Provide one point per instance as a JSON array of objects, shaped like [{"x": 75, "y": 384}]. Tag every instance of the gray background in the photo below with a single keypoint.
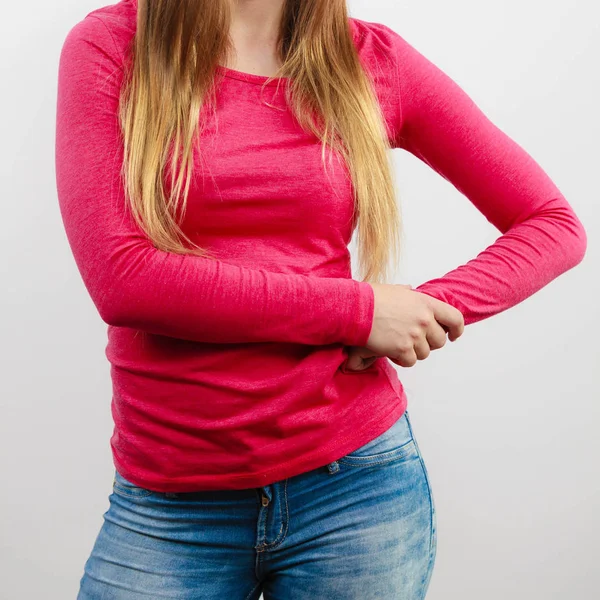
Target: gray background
[{"x": 507, "y": 418}]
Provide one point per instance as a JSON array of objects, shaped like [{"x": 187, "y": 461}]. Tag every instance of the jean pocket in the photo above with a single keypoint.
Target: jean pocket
[
  {"x": 124, "y": 487},
  {"x": 395, "y": 443}
]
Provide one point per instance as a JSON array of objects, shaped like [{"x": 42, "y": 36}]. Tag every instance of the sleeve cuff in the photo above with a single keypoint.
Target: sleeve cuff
[{"x": 361, "y": 315}]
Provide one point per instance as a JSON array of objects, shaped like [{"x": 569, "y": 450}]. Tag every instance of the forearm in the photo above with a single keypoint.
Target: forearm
[{"x": 518, "y": 264}]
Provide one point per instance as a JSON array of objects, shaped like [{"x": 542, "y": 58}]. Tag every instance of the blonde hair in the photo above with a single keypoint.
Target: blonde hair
[{"x": 166, "y": 86}]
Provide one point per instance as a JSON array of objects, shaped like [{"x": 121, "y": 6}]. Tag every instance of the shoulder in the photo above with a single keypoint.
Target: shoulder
[
  {"x": 379, "y": 43},
  {"x": 375, "y": 40},
  {"x": 106, "y": 32}
]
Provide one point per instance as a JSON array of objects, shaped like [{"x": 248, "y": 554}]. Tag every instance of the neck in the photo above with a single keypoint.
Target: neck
[{"x": 256, "y": 21}]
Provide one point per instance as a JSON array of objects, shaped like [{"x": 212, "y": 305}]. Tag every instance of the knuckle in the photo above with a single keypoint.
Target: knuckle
[
  {"x": 404, "y": 347},
  {"x": 425, "y": 319},
  {"x": 415, "y": 333}
]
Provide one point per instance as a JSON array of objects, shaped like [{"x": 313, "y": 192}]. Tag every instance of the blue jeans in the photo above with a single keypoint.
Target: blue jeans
[{"x": 362, "y": 527}]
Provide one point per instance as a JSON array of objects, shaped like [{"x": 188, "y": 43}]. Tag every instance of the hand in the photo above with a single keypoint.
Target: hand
[{"x": 407, "y": 325}]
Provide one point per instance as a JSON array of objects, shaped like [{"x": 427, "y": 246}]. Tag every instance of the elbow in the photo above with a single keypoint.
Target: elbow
[
  {"x": 122, "y": 292},
  {"x": 111, "y": 313},
  {"x": 115, "y": 308},
  {"x": 113, "y": 318},
  {"x": 578, "y": 246},
  {"x": 568, "y": 233}
]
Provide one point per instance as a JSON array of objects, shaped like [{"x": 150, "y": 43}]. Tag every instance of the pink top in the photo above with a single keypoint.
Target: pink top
[{"x": 228, "y": 373}]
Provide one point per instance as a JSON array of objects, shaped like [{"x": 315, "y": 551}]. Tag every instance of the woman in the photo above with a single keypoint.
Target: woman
[{"x": 213, "y": 160}]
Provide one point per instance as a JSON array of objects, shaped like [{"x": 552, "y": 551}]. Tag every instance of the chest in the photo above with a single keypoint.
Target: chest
[
  {"x": 257, "y": 173},
  {"x": 261, "y": 193}
]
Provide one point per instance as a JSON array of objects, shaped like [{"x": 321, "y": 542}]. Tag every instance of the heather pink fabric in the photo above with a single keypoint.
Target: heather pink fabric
[{"x": 228, "y": 373}]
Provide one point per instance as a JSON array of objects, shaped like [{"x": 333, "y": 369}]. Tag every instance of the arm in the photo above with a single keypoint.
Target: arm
[
  {"x": 542, "y": 237},
  {"x": 132, "y": 283}
]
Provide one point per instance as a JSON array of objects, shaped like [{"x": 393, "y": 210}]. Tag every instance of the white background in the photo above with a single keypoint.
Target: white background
[{"x": 507, "y": 418}]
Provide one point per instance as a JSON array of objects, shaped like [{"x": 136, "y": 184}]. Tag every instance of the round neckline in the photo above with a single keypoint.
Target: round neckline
[{"x": 251, "y": 77}]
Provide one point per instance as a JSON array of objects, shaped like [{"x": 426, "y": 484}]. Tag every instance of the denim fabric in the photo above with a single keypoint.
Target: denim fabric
[{"x": 362, "y": 527}]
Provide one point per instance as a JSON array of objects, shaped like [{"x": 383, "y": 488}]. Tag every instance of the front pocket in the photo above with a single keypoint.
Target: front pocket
[
  {"x": 393, "y": 444},
  {"x": 126, "y": 488}
]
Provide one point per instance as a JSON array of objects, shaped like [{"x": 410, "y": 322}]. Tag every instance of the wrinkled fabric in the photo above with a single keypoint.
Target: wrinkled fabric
[
  {"x": 229, "y": 373},
  {"x": 360, "y": 528}
]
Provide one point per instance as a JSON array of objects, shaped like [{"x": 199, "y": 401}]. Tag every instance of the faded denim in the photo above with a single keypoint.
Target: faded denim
[{"x": 362, "y": 527}]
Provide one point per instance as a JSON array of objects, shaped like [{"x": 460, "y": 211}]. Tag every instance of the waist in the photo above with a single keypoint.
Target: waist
[{"x": 213, "y": 411}]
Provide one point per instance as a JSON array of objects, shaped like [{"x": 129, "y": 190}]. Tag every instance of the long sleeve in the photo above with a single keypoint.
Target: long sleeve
[
  {"x": 541, "y": 235},
  {"x": 132, "y": 283}
]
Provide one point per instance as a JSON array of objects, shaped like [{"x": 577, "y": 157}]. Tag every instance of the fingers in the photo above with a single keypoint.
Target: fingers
[
  {"x": 455, "y": 333},
  {"x": 450, "y": 318},
  {"x": 421, "y": 348},
  {"x": 436, "y": 336},
  {"x": 406, "y": 359},
  {"x": 439, "y": 322},
  {"x": 362, "y": 358},
  {"x": 367, "y": 362},
  {"x": 359, "y": 359},
  {"x": 434, "y": 339}
]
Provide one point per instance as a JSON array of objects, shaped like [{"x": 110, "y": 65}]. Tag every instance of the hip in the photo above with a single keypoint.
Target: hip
[{"x": 361, "y": 526}]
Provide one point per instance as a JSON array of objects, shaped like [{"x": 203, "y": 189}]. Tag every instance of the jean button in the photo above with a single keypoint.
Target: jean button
[{"x": 333, "y": 467}]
